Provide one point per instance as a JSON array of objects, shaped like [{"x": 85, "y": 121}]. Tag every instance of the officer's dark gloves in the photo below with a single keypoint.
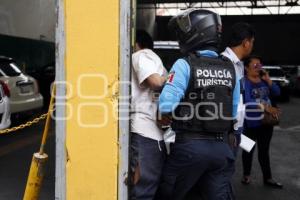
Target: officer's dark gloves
[
  {"x": 164, "y": 120},
  {"x": 232, "y": 141}
]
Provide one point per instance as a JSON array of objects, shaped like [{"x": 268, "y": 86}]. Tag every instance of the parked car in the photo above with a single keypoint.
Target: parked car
[
  {"x": 45, "y": 75},
  {"x": 294, "y": 78},
  {"x": 24, "y": 90},
  {"x": 4, "y": 106},
  {"x": 278, "y": 76}
]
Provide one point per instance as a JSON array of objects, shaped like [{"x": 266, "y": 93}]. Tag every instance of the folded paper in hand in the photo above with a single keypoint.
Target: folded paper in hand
[
  {"x": 169, "y": 137},
  {"x": 246, "y": 143}
]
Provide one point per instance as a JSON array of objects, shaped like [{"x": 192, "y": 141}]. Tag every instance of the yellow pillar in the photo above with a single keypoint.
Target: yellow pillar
[{"x": 92, "y": 63}]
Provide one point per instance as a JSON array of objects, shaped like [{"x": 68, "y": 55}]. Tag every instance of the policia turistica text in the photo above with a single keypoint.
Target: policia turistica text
[{"x": 201, "y": 98}]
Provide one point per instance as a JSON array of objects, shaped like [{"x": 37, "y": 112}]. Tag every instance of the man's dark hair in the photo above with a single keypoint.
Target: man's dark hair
[
  {"x": 250, "y": 58},
  {"x": 143, "y": 39},
  {"x": 239, "y": 32}
]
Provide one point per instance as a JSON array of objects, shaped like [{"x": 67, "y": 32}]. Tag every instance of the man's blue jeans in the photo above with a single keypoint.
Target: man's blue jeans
[{"x": 147, "y": 158}]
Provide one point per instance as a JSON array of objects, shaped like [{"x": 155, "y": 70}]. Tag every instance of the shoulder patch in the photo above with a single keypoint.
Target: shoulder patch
[{"x": 171, "y": 77}]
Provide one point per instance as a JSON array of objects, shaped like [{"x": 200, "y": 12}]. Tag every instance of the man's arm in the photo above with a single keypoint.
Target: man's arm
[
  {"x": 236, "y": 97},
  {"x": 147, "y": 72},
  {"x": 235, "y": 103},
  {"x": 155, "y": 81}
]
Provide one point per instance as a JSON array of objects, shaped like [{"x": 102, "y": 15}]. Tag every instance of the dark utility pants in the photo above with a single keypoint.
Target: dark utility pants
[
  {"x": 230, "y": 170},
  {"x": 147, "y": 158},
  {"x": 262, "y": 135},
  {"x": 199, "y": 164}
]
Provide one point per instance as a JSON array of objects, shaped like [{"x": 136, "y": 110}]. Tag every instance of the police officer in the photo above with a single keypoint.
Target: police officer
[{"x": 201, "y": 98}]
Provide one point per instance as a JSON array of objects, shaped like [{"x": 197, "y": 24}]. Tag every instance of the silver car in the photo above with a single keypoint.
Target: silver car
[
  {"x": 278, "y": 76},
  {"x": 24, "y": 91},
  {"x": 294, "y": 77},
  {"x": 4, "y": 106}
]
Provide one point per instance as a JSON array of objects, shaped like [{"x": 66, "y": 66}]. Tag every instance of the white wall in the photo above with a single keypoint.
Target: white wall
[{"x": 33, "y": 19}]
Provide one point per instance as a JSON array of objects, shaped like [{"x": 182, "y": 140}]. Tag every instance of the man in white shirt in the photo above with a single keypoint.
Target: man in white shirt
[
  {"x": 240, "y": 47},
  {"x": 147, "y": 150}
]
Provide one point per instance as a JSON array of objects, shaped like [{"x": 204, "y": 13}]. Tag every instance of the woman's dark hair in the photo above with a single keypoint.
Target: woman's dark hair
[
  {"x": 143, "y": 39},
  {"x": 239, "y": 32},
  {"x": 249, "y": 59}
]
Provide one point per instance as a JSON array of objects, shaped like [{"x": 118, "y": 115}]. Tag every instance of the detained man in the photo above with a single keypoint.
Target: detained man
[{"x": 147, "y": 149}]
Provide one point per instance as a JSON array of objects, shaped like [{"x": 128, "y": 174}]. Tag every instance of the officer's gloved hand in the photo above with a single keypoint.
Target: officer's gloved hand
[
  {"x": 164, "y": 120},
  {"x": 232, "y": 141}
]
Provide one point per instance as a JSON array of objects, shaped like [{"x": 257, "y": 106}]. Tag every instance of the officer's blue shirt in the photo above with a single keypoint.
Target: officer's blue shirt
[{"x": 178, "y": 81}]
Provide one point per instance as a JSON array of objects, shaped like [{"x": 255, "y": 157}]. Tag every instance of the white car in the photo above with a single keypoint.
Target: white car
[
  {"x": 4, "y": 106},
  {"x": 24, "y": 90},
  {"x": 278, "y": 76},
  {"x": 294, "y": 77}
]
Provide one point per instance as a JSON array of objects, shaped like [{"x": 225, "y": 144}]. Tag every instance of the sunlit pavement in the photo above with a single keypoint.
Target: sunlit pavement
[{"x": 285, "y": 161}]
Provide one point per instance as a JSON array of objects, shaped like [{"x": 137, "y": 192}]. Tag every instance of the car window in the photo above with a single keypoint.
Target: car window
[{"x": 9, "y": 68}]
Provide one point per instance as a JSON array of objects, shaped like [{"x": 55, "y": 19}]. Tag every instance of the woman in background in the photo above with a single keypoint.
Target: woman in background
[{"x": 259, "y": 89}]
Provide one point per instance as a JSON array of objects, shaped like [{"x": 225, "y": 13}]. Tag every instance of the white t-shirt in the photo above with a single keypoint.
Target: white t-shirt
[{"x": 144, "y": 101}]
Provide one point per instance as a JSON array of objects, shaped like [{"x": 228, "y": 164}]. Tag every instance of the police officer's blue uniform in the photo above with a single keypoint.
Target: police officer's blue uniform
[
  {"x": 193, "y": 161},
  {"x": 201, "y": 95}
]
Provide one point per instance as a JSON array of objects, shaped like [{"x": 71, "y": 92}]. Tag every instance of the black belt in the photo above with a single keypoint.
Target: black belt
[{"x": 201, "y": 136}]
